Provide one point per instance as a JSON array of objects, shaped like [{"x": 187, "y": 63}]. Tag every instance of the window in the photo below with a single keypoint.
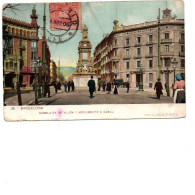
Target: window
[
  {"x": 138, "y": 64},
  {"x": 182, "y": 36},
  {"x": 166, "y": 48},
  {"x": 138, "y": 51},
  {"x": 115, "y": 42},
  {"x": 127, "y": 65},
  {"x": 150, "y": 63},
  {"x": 150, "y": 38},
  {"x": 138, "y": 40},
  {"x": 166, "y": 35},
  {"x": 166, "y": 62},
  {"x": 127, "y": 52},
  {"x": 7, "y": 65},
  {"x": 182, "y": 48},
  {"x": 150, "y": 50},
  {"x": 150, "y": 77},
  {"x": 115, "y": 53},
  {"x": 150, "y": 85},
  {"x": 182, "y": 63},
  {"x": 127, "y": 41},
  {"x": 84, "y": 56},
  {"x": 15, "y": 66},
  {"x": 20, "y": 43}
]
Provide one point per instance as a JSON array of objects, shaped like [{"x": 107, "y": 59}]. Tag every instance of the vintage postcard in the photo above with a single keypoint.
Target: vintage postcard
[{"x": 93, "y": 60}]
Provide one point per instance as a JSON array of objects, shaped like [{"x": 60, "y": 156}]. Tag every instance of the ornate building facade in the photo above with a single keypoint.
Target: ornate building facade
[
  {"x": 53, "y": 71},
  {"x": 23, "y": 50},
  {"x": 126, "y": 49},
  {"x": 84, "y": 68}
]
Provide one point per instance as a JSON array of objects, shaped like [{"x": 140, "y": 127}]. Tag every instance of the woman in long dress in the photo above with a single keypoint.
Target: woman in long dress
[{"x": 115, "y": 87}]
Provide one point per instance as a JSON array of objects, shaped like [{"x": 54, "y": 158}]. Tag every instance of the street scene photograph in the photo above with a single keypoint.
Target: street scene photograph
[{"x": 85, "y": 53}]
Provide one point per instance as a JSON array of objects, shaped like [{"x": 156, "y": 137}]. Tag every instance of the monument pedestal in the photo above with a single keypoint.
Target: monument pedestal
[{"x": 81, "y": 80}]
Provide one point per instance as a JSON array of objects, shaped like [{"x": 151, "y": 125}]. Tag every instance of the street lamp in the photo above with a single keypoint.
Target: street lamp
[
  {"x": 39, "y": 66},
  {"x": 6, "y": 42},
  {"x": 141, "y": 71},
  {"x": 174, "y": 63},
  {"x": 36, "y": 65}
]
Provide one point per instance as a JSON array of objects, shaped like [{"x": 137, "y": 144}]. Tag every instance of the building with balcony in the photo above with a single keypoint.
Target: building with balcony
[
  {"x": 48, "y": 60},
  {"x": 22, "y": 50},
  {"x": 127, "y": 48}
]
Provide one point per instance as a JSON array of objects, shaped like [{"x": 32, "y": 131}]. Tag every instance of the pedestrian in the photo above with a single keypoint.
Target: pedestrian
[
  {"x": 59, "y": 85},
  {"x": 47, "y": 90},
  {"x": 99, "y": 85},
  {"x": 69, "y": 84},
  {"x": 65, "y": 86},
  {"x": 56, "y": 87},
  {"x": 158, "y": 87},
  {"x": 104, "y": 85},
  {"x": 127, "y": 85},
  {"x": 72, "y": 85},
  {"x": 91, "y": 85},
  {"x": 109, "y": 87},
  {"x": 115, "y": 87},
  {"x": 179, "y": 90}
]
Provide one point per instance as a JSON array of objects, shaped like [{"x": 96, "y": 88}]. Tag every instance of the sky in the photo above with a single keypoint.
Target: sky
[{"x": 99, "y": 17}]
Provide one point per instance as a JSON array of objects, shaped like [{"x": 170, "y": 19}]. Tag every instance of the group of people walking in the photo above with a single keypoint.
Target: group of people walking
[
  {"x": 68, "y": 85},
  {"x": 106, "y": 86}
]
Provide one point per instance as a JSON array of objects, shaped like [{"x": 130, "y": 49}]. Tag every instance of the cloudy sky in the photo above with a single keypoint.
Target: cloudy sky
[{"x": 99, "y": 17}]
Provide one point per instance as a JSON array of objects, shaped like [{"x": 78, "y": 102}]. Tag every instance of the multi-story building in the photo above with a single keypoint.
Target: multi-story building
[
  {"x": 53, "y": 71},
  {"x": 22, "y": 51},
  {"x": 126, "y": 49},
  {"x": 48, "y": 59}
]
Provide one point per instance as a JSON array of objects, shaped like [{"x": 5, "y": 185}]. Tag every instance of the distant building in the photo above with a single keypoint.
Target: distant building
[
  {"x": 127, "y": 48},
  {"x": 84, "y": 68},
  {"x": 48, "y": 59},
  {"x": 22, "y": 52},
  {"x": 53, "y": 71}
]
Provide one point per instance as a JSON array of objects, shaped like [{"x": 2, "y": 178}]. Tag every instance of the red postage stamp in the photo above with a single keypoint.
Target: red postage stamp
[{"x": 65, "y": 16}]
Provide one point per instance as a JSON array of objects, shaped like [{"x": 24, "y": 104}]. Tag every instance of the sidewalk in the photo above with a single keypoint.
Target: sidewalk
[{"x": 28, "y": 98}]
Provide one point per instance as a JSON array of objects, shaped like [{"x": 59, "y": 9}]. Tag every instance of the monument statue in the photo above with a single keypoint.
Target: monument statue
[{"x": 84, "y": 31}]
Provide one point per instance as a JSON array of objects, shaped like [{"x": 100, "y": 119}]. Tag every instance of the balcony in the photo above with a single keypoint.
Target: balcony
[
  {"x": 138, "y": 44},
  {"x": 126, "y": 57},
  {"x": 127, "y": 45},
  {"x": 167, "y": 54},
  {"x": 138, "y": 56},
  {"x": 182, "y": 41},
  {"x": 150, "y": 43},
  {"x": 150, "y": 55},
  {"x": 114, "y": 58},
  {"x": 181, "y": 54},
  {"x": 166, "y": 41}
]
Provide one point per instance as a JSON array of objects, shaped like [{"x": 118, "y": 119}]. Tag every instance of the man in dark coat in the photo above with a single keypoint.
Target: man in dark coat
[
  {"x": 47, "y": 89},
  {"x": 69, "y": 84},
  {"x": 72, "y": 84},
  {"x": 109, "y": 86},
  {"x": 104, "y": 85},
  {"x": 158, "y": 87},
  {"x": 91, "y": 85},
  {"x": 127, "y": 85}
]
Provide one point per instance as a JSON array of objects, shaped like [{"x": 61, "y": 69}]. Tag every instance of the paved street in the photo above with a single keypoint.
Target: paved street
[{"x": 81, "y": 96}]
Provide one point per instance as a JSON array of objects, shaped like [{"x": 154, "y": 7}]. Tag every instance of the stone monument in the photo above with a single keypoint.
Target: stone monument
[{"x": 84, "y": 69}]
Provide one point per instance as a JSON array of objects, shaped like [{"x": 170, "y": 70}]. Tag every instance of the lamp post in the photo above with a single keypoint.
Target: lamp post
[
  {"x": 6, "y": 42},
  {"x": 141, "y": 71},
  {"x": 39, "y": 68},
  {"x": 174, "y": 63},
  {"x": 167, "y": 84},
  {"x": 34, "y": 67}
]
